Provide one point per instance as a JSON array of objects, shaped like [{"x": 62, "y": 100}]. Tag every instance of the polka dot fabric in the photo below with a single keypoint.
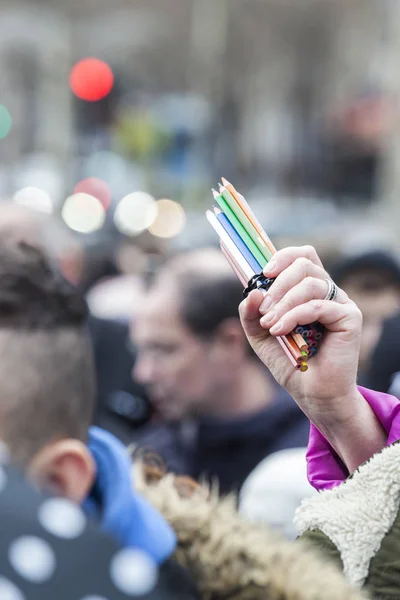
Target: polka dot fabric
[{"x": 49, "y": 550}]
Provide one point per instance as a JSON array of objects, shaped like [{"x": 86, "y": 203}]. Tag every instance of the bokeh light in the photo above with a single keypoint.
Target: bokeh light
[
  {"x": 34, "y": 198},
  {"x": 135, "y": 213},
  {"x": 95, "y": 187},
  {"x": 5, "y": 122},
  {"x": 91, "y": 79},
  {"x": 83, "y": 213},
  {"x": 170, "y": 219},
  {"x": 43, "y": 171}
]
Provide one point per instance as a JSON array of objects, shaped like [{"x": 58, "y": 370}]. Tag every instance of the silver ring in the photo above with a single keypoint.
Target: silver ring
[{"x": 332, "y": 290}]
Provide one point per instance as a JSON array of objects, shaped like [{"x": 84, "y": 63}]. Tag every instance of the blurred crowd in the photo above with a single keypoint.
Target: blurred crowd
[
  {"x": 153, "y": 443},
  {"x": 175, "y": 382}
]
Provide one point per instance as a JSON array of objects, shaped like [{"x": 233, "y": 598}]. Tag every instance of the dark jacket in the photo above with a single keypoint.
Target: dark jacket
[
  {"x": 76, "y": 562},
  {"x": 228, "y": 450},
  {"x": 385, "y": 360},
  {"x": 130, "y": 519},
  {"x": 122, "y": 404}
]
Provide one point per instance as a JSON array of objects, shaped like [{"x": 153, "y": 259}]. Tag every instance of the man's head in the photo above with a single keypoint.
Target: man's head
[
  {"x": 189, "y": 338},
  {"x": 46, "y": 372},
  {"x": 372, "y": 280},
  {"x": 46, "y": 232}
]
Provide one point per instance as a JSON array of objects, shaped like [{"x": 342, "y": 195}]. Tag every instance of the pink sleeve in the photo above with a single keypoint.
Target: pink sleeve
[{"x": 324, "y": 467}]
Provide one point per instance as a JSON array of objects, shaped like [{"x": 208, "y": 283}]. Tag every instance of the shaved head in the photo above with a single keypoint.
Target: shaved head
[
  {"x": 46, "y": 371},
  {"x": 44, "y": 232}
]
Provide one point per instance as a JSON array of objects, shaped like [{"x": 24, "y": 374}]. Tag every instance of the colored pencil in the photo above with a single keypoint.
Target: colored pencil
[
  {"x": 297, "y": 361},
  {"x": 242, "y": 268},
  {"x": 230, "y": 246},
  {"x": 239, "y": 200},
  {"x": 224, "y": 206},
  {"x": 236, "y": 269},
  {"x": 235, "y": 237},
  {"x": 247, "y": 249},
  {"x": 289, "y": 348},
  {"x": 249, "y": 213},
  {"x": 287, "y": 351},
  {"x": 246, "y": 223}
]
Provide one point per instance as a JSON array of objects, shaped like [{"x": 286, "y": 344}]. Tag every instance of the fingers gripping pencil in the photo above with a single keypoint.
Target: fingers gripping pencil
[{"x": 248, "y": 249}]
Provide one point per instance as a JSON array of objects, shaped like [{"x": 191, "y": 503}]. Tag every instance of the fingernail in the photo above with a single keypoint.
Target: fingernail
[
  {"x": 277, "y": 327},
  {"x": 266, "y": 303},
  {"x": 268, "y": 318},
  {"x": 270, "y": 266}
]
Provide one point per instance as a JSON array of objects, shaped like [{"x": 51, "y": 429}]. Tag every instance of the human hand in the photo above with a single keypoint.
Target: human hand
[{"x": 327, "y": 391}]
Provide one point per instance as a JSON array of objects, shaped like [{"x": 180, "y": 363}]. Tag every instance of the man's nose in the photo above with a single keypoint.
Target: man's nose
[{"x": 143, "y": 370}]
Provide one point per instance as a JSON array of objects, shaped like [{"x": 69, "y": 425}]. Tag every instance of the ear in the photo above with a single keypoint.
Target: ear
[
  {"x": 64, "y": 468},
  {"x": 230, "y": 341},
  {"x": 71, "y": 267}
]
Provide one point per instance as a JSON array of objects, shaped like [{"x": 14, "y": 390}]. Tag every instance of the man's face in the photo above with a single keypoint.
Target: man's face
[{"x": 176, "y": 366}]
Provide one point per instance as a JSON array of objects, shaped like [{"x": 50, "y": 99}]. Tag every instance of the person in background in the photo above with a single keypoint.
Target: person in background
[
  {"x": 275, "y": 489},
  {"x": 48, "y": 397},
  {"x": 221, "y": 412},
  {"x": 49, "y": 549},
  {"x": 122, "y": 404},
  {"x": 383, "y": 372},
  {"x": 47, "y": 400},
  {"x": 352, "y": 454},
  {"x": 372, "y": 280}
]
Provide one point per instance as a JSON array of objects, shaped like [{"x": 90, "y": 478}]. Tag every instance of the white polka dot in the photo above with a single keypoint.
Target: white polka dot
[
  {"x": 8, "y": 591},
  {"x": 133, "y": 572},
  {"x": 32, "y": 558},
  {"x": 62, "y": 518}
]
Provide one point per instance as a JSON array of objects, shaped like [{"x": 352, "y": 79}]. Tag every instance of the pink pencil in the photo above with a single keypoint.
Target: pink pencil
[{"x": 235, "y": 267}]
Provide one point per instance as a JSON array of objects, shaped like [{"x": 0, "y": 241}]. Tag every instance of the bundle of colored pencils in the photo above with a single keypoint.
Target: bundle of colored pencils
[{"x": 248, "y": 249}]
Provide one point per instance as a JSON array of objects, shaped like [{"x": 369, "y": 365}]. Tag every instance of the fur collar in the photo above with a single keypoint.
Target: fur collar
[
  {"x": 357, "y": 514},
  {"x": 233, "y": 559}
]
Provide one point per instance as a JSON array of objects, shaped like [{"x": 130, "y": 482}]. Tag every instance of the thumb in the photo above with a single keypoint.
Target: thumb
[{"x": 249, "y": 311}]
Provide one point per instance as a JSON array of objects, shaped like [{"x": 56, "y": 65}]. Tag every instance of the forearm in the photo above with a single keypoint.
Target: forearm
[{"x": 355, "y": 433}]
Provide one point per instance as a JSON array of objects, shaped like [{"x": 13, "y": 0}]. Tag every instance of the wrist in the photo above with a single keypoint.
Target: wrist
[
  {"x": 353, "y": 430},
  {"x": 332, "y": 413}
]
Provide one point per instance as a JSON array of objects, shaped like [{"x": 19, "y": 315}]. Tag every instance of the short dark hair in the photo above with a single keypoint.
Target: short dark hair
[
  {"x": 209, "y": 291},
  {"x": 46, "y": 368},
  {"x": 207, "y": 301},
  {"x": 380, "y": 269}
]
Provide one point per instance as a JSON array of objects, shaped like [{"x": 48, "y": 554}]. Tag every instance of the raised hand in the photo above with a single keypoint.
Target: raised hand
[{"x": 327, "y": 392}]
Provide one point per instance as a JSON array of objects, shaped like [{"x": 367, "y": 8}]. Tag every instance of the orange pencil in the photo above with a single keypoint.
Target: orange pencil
[
  {"x": 287, "y": 345},
  {"x": 288, "y": 352},
  {"x": 249, "y": 214},
  {"x": 298, "y": 339},
  {"x": 297, "y": 353}
]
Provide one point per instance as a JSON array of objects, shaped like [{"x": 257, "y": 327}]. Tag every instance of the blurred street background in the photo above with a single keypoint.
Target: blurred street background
[{"x": 296, "y": 102}]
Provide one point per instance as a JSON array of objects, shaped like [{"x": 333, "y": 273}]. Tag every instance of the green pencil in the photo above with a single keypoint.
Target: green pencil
[
  {"x": 240, "y": 229},
  {"x": 246, "y": 223}
]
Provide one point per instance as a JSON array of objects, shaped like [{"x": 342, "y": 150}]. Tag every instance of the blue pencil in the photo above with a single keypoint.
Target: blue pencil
[{"x": 237, "y": 240}]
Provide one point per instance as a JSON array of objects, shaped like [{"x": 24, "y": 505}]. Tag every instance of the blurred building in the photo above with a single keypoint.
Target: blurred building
[{"x": 291, "y": 99}]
